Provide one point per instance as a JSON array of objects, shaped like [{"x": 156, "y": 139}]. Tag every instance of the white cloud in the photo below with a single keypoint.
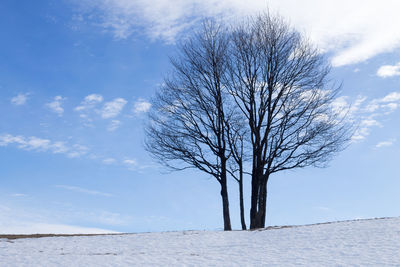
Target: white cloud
[
  {"x": 113, "y": 108},
  {"x": 83, "y": 190},
  {"x": 387, "y": 143},
  {"x": 141, "y": 106},
  {"x": 56, "y": 105},
  {"x": 89, "y": 102},
  {"x": 77, "y": 151},
  {"x": 26, "y": 143},
  {"x": 114, "y": 125},
  {"x": 366, "y": 114},
  {"x": 392, "y": 97},
  {"x": 371, "y": 106},
  {"x": 109, "y": 161},
  {"x": 18, "y": 195},
  {"x": 361, "y": 134},
  {"x": 33, "y": 143},
  {"x": 353, "y": 30},
  {"x": 389, "y": 71},
  {"x": 340, "y": 106},
  {"x": 391, "y": 107},
  {"x": 93, "y": 98},
  {"x": 370, "y": 122},
  {"x": 388, "y": 103},
  {"x": 20, "y": 99},
  {"x": 59, "y": 147},
  {"x": 132, "y": 164},
  {"x": 6, "y": 139},
  {"x": 358, "y": 103}
]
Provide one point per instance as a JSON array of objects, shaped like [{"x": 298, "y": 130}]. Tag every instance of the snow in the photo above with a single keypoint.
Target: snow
[{"x": 374, "y": 242}]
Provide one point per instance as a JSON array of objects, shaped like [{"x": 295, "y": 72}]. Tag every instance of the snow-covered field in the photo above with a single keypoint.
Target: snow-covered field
[{"x": 373, "y": 242}]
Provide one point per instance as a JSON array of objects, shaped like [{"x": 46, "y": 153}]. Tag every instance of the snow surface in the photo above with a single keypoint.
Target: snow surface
[{"x": 373, "y": 242}]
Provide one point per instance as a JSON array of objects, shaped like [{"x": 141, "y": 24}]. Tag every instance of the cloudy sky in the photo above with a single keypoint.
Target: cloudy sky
[{"x": 76, "y": 78}]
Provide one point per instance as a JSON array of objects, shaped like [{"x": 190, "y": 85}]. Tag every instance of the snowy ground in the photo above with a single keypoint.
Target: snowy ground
[{"x": 353, "y": 243}]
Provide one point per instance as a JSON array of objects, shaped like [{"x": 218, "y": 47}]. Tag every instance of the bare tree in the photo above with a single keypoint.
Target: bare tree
[
  {"x": 187, "y": 125},
  {"x": 258, "y": 93},
  {"x": 280, "y": 83}
]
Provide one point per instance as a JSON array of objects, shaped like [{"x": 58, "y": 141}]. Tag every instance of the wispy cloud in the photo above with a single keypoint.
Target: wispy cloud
[
  {"x": 113, "y": 108},
  {"x": 141, "y": 106},
  {"x": 114, "y": 125},
  {"x": 386, "y": 143},
  {"x": 353, "y": 38},
  {"x": 134, "y": 165},
  {"x": 37, "y": 144},
  {"x": 20, "y": 99},
  {"x": 109, "y": 161},
  {"x": 77, "y": 151},
  {"x": 361, "y": 134},
  {"x": 392, "y": 97},
  {"x": 18, "y": 195},
  {"x": 343, "y": 107},
  {"x": 33, "y": 143},
  {"x": 89, "y": 102},
  {"x": 390, "y": 107},
  {"x": 56, "y": 105},
  {"x": 130, "y": 163},
  {"x": 83, "y": 190},
  {"x": 370, "y": 122},
  {"x": 89, "y": 108},
  {"x": 366, "y": 113}
]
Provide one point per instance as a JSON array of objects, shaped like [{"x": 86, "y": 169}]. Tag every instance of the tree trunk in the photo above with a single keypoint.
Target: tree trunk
[
  {"x": 225, "y": 199},
  {"x": 262, "y": 203},
  {"x": 242, "y": 218},
  {"x": 254, "y": 192},
  {"x": 225, "y": 209},
  {"x": 255, "y": 199}
]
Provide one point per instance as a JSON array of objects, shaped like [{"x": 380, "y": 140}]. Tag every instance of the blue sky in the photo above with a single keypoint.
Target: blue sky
[{"x": 76, "y": 78}]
